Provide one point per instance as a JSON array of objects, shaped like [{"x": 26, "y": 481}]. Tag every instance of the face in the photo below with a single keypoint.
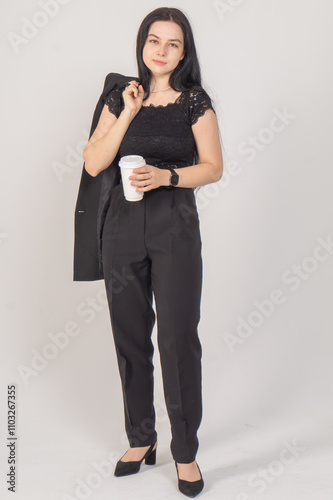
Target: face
[{"x": 165, "y": 42}]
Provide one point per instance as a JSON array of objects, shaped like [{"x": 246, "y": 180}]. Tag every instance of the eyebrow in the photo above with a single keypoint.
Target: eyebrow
[{"x": 170, "y": 40}]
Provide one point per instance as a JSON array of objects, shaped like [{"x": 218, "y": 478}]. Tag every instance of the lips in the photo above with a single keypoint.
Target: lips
[{"x": 161, "y": 63}]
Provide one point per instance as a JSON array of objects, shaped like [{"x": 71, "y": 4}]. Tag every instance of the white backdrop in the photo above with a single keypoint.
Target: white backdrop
[{"x": 266, "y": 226}]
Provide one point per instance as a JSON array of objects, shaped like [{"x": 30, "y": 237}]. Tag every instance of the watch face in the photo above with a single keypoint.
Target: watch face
[{"x": 174, "y": 179}]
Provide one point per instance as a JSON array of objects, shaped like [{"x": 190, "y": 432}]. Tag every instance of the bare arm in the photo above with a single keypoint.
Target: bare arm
[
  {"x": 210, "y": 168},
  {"x": 104, "y": 143}
]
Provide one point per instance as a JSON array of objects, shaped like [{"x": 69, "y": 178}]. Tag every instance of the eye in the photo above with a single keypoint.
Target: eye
[{"x": 173, "y": 44}]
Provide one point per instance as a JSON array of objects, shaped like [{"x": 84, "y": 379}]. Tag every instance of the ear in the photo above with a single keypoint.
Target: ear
[{"x": 183, "y": 55}]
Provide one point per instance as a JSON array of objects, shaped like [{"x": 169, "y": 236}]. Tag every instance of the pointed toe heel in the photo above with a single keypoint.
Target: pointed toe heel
[
  {"x": 127, "y": 468},
  {"x": 190, "y": 488}
]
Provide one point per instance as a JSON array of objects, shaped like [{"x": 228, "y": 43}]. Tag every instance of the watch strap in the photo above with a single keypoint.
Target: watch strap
[{"x": 173, "y": 172}]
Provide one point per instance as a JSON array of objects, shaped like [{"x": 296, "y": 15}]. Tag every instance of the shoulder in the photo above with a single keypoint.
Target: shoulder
[
  {"x": 115, "y": 92},
  {"x": 198, "y": 102},
  {"x": 114, "y": 85},
  {"x": 113, "y": 99},
  {"x": 197, "y": 96}
]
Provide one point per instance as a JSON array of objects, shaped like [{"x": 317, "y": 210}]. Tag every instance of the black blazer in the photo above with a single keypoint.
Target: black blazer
[{"x": 93, "y": 200}]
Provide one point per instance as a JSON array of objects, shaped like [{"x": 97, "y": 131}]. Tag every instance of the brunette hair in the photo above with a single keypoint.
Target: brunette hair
[{"x": 187, "y": 75}]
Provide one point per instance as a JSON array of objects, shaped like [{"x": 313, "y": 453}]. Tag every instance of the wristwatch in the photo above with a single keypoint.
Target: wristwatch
[{"x": 174, "y": 179}]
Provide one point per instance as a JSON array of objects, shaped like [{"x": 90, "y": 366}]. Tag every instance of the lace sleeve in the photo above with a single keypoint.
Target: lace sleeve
[
  {"x": 114, "y": 101},
  {"x": 198, "y": 104}
]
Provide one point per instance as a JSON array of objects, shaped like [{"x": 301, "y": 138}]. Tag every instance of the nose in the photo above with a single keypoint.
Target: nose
[{"x": 161, "y": 50}]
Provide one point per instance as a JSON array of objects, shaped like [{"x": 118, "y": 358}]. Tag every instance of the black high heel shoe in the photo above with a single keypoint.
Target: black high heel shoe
[
  {"x": 190, "y": 488},
  {"x": 127, "y": 468}
]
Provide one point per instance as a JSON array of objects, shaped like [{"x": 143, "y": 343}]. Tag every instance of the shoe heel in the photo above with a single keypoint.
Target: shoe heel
[{"x": 151, "y": 459}]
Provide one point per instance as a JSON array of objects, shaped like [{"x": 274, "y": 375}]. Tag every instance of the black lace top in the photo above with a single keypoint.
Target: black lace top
[{"x": 162, "y": 134}]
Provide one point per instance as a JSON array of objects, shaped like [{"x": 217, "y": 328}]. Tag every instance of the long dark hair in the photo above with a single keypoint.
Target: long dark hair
[{"x": 187, "y": 75}]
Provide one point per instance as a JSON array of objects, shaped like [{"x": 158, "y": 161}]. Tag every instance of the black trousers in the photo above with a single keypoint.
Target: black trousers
[{"x": 154, "y": 246}]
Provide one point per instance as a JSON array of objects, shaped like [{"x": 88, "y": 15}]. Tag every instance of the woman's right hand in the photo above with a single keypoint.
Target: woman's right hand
[{"x": 133, "y": 96}]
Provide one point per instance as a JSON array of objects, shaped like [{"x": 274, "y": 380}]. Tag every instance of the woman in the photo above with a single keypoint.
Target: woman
[{"x": 154, "y": 245}]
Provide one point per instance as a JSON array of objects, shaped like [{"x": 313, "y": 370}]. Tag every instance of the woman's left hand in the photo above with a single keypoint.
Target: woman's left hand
[{"x": 149, "y": 177}]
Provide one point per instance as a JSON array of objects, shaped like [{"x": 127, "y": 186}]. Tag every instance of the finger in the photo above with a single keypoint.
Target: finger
[
  {"x": 137, "y": 176},
  {"x": 131, "y": 88},
  {"x": 145, "y": 188},
  {"x": 134, "y": 91},
  {"x": 144, "y": 182},
  {"x": 142, "y": 177},
  {"x": 140, "y": 170}
]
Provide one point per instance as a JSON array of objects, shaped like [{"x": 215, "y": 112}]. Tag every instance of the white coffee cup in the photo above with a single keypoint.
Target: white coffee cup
[{"x": 126, "y": 164}]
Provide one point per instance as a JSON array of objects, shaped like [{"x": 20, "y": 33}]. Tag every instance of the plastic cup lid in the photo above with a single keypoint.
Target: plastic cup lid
[{"x": 132, "y": 161}]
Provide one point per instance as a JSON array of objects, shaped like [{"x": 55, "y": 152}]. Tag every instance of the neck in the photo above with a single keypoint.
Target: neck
[{"x": 159, "y": 83}]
